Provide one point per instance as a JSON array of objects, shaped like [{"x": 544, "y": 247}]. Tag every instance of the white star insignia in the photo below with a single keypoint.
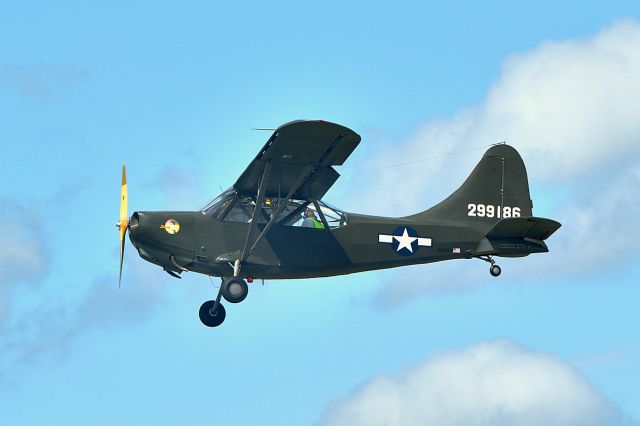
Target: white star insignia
[{"x": 405, "y": 241}]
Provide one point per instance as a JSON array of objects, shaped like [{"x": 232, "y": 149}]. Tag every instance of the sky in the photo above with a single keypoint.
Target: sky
[{"x": 174, "y": 92}]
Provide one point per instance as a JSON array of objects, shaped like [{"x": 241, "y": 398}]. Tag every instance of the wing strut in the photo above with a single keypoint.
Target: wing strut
[
  {"x": 282, "y": 204},
  {"x": 302, "y": 178},
  {"x": 258, "y": 207}
]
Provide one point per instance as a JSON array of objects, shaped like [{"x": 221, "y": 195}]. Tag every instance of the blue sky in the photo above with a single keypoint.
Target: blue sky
[{"x": 174, "y": 91}]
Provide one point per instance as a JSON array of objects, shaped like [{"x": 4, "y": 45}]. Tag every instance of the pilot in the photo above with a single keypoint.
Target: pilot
[{"x": 310, "y": 220}]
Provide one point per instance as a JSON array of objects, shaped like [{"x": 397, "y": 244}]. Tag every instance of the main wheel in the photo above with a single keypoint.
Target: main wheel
[
  {"x": 495, "y": 270},
  {"x": 234, "y": 290},
  {"x": 209, "y": 317}
]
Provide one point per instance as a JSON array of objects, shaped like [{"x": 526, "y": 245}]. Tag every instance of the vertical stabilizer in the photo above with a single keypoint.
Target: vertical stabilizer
[{"x": 497, "y": 188}]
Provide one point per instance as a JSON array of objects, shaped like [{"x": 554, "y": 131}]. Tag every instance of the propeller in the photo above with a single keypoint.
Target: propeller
[{"x": 123, "y": 223}]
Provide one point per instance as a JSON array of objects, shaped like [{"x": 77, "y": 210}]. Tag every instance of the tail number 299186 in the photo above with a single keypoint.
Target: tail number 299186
[{"x": 487, "y": 210}]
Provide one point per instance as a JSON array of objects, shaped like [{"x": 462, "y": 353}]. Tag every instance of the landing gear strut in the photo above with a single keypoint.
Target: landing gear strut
[
  {"x": 234, "y": 290},
  {"x": 494, "y": 269}
]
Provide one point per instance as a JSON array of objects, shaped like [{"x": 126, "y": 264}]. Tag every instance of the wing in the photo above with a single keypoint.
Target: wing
[{"x": 299, "y": 157}]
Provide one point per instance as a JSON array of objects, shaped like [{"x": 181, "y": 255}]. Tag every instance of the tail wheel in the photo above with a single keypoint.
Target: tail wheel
[
  {"x": 234, "y": 290},
  {"x": 495, "y": 270},
  {"x": 211, "y": 317}
]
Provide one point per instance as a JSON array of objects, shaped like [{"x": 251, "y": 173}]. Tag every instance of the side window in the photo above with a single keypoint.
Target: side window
[
  {"x": 335, "y": 218},
  {"x": 293, "y": 213},
  {"x": 241, "y": 210}
]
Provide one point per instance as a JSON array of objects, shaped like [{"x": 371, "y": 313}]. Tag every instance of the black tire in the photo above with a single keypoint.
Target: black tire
[
  {"x": 210, "y": 318},
  {"x": 495, "y": 270},
  {"x": 234, "y": 290}
]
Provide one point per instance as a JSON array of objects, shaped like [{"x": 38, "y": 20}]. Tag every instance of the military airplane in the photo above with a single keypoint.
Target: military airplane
[{"x": 273, "y": 224}]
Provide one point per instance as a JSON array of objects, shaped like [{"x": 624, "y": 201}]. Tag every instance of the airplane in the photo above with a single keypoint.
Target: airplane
[{"x": 273, "y": 224}]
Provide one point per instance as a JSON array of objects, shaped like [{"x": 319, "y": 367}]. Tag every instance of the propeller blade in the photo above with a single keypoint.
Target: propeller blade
[
  {"x": 121, "y": 256},
  {"x": 123, "y": 223}
]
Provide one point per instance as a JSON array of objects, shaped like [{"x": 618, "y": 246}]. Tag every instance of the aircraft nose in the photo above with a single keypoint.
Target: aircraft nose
[
  {"x": 134, "y": 227},
  {"x": 135, "y": 220},
  {"x": 159, "y": 236},
  {"x": 139, "y": 236}
]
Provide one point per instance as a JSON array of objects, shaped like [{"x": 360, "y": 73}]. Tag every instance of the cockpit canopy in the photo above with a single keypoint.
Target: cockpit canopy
[{"x": 232, "y": 207}]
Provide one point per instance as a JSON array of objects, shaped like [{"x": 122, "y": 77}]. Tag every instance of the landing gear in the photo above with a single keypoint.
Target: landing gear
[
  {"x": 234, "y": 290},
  {"x": 494, "y": 269},
  {"x": 212, "y": 315}
]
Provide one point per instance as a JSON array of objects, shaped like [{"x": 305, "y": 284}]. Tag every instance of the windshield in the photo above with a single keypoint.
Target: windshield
[{"x": 216, "y": 206}]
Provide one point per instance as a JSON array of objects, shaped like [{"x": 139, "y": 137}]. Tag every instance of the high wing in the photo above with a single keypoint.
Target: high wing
[
  {"x": 297, "y": 161},
  {"x": 299, "y": 157}
]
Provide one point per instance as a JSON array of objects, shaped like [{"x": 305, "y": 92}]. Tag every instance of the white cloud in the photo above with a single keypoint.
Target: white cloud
[
  {"x": 48, "y": 329},
  {"x": 598, "y": 232},
  {"x": 180, "y": 187},
  {"x": 495, "y": 383},
  {"x": 599, "y": 225},
  {"x": 24, "y": 260},
  {"x": 35, "y": 327},
  {"x": 570, "y": 108},
  {"x": 32, "y": 325},
  {"x": 40, "y": 81},
  {"x": 23, "y": 256}
]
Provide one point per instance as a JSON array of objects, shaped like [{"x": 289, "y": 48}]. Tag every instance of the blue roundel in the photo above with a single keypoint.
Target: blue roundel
[{"x": 405, "y": 241}]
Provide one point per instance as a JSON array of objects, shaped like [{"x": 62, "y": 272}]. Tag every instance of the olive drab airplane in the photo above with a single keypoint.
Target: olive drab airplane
[{"x": 273, "y": 224}]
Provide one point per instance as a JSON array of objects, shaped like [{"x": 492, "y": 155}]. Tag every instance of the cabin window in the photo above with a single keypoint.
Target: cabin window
[
  {"x": 231, "y": 207},
  {"x": 242, "y": 211},
  {"x": 293, "y": 214},
  {"x": 335, "y": 218}
]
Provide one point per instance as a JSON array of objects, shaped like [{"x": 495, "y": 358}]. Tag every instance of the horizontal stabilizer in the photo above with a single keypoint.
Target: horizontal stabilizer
[{"x": 536, "y": 228}]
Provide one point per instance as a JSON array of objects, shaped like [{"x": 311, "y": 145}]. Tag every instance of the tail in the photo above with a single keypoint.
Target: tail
[
  {"x": 495, "y": 201},
  {"x": 496, "y": 189}
]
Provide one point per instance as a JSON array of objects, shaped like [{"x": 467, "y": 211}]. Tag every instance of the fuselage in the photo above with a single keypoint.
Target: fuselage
[{"x": 209, "y": 246}]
